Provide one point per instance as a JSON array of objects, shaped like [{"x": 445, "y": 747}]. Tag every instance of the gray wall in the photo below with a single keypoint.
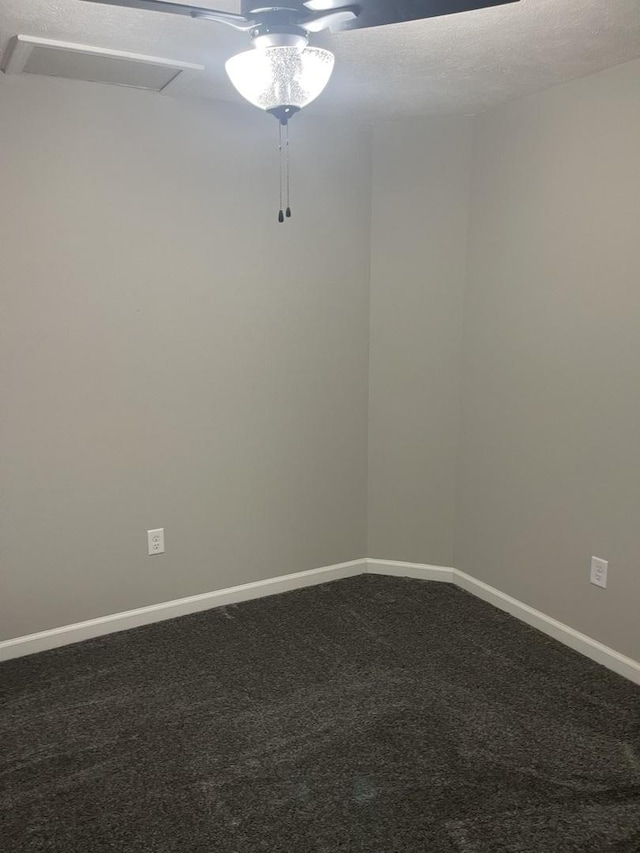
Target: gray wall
[
  {"x": 420, "y": 204},
  {"x": 550, "y": 451},
  {"x": 170, "y": 356}
]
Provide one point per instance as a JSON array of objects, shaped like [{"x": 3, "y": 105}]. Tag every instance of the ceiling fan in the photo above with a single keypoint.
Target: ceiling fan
[{"x": 281, "y": 73}]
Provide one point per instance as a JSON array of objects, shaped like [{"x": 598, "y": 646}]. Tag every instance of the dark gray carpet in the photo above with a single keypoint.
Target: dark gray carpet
[{"x": 372, "y": 714}]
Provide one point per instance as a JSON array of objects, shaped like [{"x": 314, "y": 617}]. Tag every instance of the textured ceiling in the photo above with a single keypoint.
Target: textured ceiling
[{"x": 458, "y": 64}]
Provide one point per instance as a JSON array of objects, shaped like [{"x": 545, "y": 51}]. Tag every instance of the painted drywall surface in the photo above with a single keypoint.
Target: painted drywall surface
[
  {"x": 550, "y": 441},
  {"x": 171, "y": 356},
  {"x": 420, "y": 204}
]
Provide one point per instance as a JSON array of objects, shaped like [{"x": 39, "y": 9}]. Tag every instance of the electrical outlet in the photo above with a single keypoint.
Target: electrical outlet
[
  {"x": 155, "y": 540},
  {"x": 599, "y": 572}
]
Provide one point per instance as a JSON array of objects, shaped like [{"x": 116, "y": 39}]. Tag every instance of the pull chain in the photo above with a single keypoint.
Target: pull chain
[
  {"x": 280, "y": 213},
  {"x": 288, "y": 171}
]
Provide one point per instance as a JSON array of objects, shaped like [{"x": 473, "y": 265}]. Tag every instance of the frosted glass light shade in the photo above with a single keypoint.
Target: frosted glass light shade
[{"x": 280, "y": 76}]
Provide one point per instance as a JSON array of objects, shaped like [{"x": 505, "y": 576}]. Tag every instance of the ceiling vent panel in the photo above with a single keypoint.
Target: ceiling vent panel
[{"x": 30, "y": 55}]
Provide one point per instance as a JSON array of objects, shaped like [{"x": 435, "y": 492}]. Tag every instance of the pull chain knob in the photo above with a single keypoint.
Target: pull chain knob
[
  {"x": 288, "y": 169},
  {"x": 284, "y": 170}
]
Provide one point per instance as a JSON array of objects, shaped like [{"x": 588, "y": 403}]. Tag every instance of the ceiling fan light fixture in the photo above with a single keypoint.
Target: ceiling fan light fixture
[
  {"x": 272, "y": 78},
  {"x": 281, "y": 75}
]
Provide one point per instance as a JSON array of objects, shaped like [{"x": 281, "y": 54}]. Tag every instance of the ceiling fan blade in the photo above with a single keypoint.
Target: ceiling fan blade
[
  {"x": 239, "y": 22},
  {"x": 330, "y": 20},
  {"x": 377, "y": 13}
]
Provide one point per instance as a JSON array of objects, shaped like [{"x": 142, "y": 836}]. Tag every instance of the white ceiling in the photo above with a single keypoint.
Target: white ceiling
[{"x": 458, "y": 64}]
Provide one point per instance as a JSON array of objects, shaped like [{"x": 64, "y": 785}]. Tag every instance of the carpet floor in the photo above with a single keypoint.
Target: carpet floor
[{"x": 371, "y": 714}]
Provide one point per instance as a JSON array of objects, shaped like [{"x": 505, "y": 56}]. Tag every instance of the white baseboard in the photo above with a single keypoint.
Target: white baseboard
[
  {"x": 421, "y": 571},
  {"x": 587, "y": 646},
  {"x": 55, "y": 637}
]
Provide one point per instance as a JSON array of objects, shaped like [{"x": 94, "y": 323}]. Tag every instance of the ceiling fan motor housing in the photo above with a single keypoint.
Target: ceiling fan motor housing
[
  {"x": 256, "y": 9},
  {"x": 276, "y": 26},
  {"x": 279, "y": 35}
]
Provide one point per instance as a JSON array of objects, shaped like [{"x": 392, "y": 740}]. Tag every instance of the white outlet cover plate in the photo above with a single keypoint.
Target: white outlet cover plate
[
  {"x": 155, "y": 541},
  {"x": 599, "y": 572}
]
